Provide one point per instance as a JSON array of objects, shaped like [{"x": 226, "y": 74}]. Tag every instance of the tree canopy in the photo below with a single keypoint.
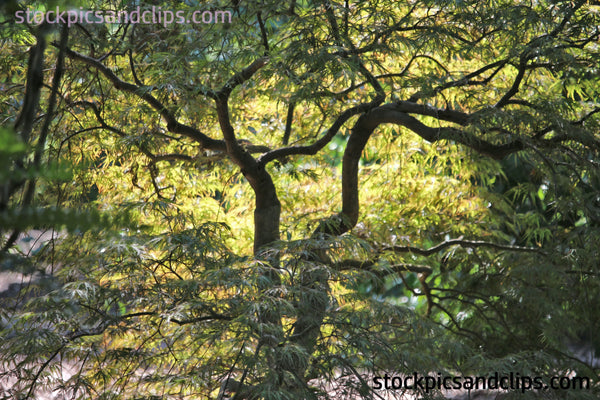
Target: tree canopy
[{"x": 288, "y": 202}]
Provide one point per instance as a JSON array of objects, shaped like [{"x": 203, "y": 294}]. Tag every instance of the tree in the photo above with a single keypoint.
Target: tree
[{"x": 469, "y": 246}]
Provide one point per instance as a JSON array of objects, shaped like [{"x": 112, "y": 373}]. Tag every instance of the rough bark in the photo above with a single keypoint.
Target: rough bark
[{"x": 268, "y": 207}]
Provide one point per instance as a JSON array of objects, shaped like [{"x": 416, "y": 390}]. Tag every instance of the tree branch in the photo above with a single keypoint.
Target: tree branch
[
  {"x": 466, "y": 80},
  {"x": 120, "y": 133},
  {"x": 35, "y": 81},
  {"x": 515, "y": 86},
  {"x": 241, "y": 77},
  {"x": 143, "y": 92},
  {"x": 368, "y": 265},
  {"x": 462, "y": 243},
  {"x": 288, "y": 123},
  {"x": 362, "y": 130},
  {"x": 449, "y": 115},
  {"x": 392, "y": 113},
  {"x": 263, "y": 32},
  {"x": 322, "y": 142}
]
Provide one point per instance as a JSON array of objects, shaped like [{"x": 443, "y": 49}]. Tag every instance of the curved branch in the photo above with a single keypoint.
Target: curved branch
[
  {"x": 345, "y": 265},
  {"x": 132, "y": 67},
  {"x": 239, "y": 155},
  {"x": 335, "y": 29},
  {"x": 263, "y": 32},
  {"x": 143, "y": 92},
  {"x": 268, "y": 207},
  {"x": 120, "y": 133},
  {"x": 323, "y": 141},
  {"x": 449, "y": 115},
  {"x": 392, "y": 113},
  {"x": 462, "y": 243},
  {"x": 241, "y": 77},
  {"x": 42, "y": 368},
  {"x": 467, "y": 79},
  {"x": 361, "y": 132},
  {"x": 515, "y": 86}
]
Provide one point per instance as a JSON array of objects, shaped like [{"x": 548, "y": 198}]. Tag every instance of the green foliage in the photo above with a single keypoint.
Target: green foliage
[
  {"x": 52, "y": 217},
  {"x": 475, "y": 247},
  {"x": 18, "y": 217}
]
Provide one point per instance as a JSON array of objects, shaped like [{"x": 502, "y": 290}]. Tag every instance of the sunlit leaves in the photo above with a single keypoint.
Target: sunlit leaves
[{"x": 171, "y": 302}]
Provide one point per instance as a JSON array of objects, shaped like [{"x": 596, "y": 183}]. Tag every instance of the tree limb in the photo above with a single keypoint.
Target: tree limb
[
  {"x": 462, "y": 243},
  {"x": 143, "y": 92}
]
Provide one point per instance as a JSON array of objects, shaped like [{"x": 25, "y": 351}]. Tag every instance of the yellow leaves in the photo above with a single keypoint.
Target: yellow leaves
[{"x": 419, "y": 187}]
